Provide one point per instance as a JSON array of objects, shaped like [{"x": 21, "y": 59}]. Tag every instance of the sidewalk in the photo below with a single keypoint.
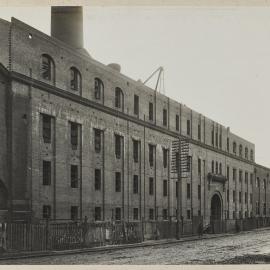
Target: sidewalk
[{"x": 147, "y": 243}]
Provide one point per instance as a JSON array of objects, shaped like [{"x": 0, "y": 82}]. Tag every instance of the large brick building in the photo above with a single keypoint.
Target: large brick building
[{"x": 78, "y": 138}]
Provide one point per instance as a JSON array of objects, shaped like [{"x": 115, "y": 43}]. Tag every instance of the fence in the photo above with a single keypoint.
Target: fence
[{"x": 68, "y": 235}]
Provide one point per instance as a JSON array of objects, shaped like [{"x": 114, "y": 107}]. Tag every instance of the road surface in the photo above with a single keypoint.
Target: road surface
[{"x": 246, "y": 247}]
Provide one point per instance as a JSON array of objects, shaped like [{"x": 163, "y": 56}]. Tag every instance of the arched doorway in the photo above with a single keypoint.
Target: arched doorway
[{"x": 216, "y": 207}]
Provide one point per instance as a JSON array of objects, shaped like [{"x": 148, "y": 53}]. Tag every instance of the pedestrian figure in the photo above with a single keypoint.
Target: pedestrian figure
[{"x": 200, "y": 229}]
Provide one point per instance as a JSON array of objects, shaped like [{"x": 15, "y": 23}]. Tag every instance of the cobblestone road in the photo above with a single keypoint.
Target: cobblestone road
[{"x": 211, "y": 251}]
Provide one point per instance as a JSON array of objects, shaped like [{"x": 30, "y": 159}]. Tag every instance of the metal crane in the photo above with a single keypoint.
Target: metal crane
[{"x": 160, "y": 80}]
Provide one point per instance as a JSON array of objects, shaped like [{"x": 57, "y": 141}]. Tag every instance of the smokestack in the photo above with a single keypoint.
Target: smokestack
[{"x": 67, "y": 25}]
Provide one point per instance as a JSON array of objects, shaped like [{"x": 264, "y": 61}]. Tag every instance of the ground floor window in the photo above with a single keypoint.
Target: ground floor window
[{"x": 46, "y": 211}]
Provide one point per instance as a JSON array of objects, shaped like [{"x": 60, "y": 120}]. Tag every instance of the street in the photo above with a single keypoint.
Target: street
[{"x": 246, "y": 247}]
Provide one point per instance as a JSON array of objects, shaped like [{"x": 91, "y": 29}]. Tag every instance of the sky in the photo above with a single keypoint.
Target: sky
[{"x": 216, "y": 59}]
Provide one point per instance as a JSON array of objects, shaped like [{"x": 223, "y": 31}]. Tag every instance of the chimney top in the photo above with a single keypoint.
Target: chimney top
[{"x": 67, "y": 25}]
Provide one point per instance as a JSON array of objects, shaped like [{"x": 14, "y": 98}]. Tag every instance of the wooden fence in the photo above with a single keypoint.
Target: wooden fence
[{"x": 67, "y": 235}]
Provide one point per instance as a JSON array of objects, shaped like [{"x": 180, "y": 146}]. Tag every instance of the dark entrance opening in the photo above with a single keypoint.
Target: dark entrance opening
[{"x": 216, "y": 208}]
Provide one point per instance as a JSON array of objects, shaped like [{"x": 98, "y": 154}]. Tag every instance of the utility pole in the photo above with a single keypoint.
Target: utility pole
[{"x": 180, "y": 166}]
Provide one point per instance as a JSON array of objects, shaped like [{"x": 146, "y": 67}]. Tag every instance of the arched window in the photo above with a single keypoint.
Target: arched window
[
  {"x": 119, "y": 98},
  {"x": 251, "y": 155},
  {"x": 75, "y": 79},
  {"x": 240, "y": 150},
  {"x": 99, "y": 88},
  {"x": 234, "y": 147},
  {"x": 47, "y": 68},
  {"x": 246, "y": 152}
]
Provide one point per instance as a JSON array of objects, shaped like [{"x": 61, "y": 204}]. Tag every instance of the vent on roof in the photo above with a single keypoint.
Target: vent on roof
[{"x": 115, "y": 66}]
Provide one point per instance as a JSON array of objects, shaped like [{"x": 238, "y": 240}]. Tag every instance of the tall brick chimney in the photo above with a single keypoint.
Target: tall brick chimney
[{"x": 67, "y": 25}]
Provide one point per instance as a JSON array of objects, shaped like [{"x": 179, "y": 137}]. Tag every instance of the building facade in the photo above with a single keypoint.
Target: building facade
[{"x": 79, "y": 138}]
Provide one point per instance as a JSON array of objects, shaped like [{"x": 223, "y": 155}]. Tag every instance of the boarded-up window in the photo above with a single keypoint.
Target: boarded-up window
[{"x": 46, "y": 128}]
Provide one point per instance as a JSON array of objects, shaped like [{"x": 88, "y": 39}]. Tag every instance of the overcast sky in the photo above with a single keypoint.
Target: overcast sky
[{"x": 216, "y": 60}]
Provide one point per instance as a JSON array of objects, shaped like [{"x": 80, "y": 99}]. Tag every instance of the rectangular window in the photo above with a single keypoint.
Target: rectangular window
[
  {"x": 97, "y": 213},
  {"x": 188, "y": 191},
  {"x": 151, "y": 213},
  {"x": 46, "y": 173},
  {"x": 258, "y": 182},
  {"x": 151, "y": 111},
  {"x": 240, "y": 176},
  {"x": 246, "y": 177},
  {"x": 165, "y": 214},
  {"x": 250, "y": 198},
  {"x": 188, "y": 127},
  {"x": 46, "y": 211},
  {"x": 151, "y": 186},
  {"x": 228, "y": 173},
  {"x": 177, "y": 124},
  {"x": 118, "y": 146},
  {"x": 199, "y": 166},
  {"x": 135, "y": 184},
  {"x": 165, "y": 157},
  {"x": 97, "y": 140},
  {"x": 164, "y": 117},
  {"x": 188, "y": 214},
  {"x": 135, "y": 213},
  {"x": 117, "y": 182},
  {"x": 97, "y": 179},
  {"x": 135, "y": 151},
  {"x": 228, "y": 144},
  {"x": 234, "y": 196},
  {"x": 199, "y": 192},
  {"x": 74, "y": 176},
  {"x": 264, "y": 209},
  {"x": 151, "y": 155},
  {"x": 74, "y": 212},
  {"x": 188, "y": 163},
  {"x": 246, "y": 197},
  {"x": 176, "y": 189},
  {"x": 220, "y": 140},
  {"x": 136, "y": 105},
  {"x": 234, "y": 174},
  {"x": 216, "y": 139},
  {"x": 240, "y": 196},
  {"x": 165, "y": 188},
  {"x": 212, "y": 136},
  {"x": 74, "y": 134},
  {"x": 46, "y": 127},
  {"x": 117, "y": 213},
  {"x": 228, "y": 195},
  {"x": 251, "y": 178},
  {"x": 213, "y": 166},
  {"x": 199, "y": 132},
  {"x": 240, "y": 214}
]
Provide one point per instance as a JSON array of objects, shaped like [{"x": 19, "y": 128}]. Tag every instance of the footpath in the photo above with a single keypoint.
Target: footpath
[{"x": 148, "y": 243}]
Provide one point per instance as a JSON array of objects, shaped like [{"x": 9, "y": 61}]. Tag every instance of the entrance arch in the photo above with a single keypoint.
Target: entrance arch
[{"x": 216, "y": 207}]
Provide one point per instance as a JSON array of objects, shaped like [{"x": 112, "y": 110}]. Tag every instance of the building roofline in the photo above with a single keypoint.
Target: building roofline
[
  {"x": 262, "y": 166},
  {"x": 88, "y": 58}
]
